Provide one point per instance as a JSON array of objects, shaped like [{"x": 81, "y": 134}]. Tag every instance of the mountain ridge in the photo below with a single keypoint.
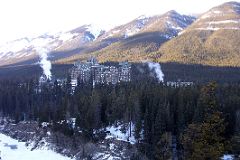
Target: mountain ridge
[
  {"x": 147, "y": 38},
  {"x": 81, "y": 40},
  {"x": 211, "y": 39}
]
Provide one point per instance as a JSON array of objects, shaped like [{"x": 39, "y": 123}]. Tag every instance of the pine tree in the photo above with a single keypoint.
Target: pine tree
[
  {"x": 205, "y": 140},
  {"x": 163, "y": 149},
  {"x": 235, "y": 141}
]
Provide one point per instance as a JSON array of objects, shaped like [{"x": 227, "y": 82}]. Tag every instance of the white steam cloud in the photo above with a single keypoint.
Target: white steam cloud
[
  {"x": 157, "y": 69},
  {"x": 44, "y": 62}
]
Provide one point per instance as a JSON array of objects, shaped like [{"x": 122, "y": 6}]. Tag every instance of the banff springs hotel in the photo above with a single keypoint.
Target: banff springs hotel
[{"x": 94, "y": 73}]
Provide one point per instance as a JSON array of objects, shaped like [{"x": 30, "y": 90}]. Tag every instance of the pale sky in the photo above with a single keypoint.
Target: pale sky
[{"x": 22, "y": 18}]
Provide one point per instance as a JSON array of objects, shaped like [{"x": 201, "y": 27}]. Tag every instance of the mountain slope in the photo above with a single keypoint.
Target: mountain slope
[
  {"x": 129, "y": 29},
  {"x": 138, "y": 38},
  {"x": 213, "y": 39},
  {"x": 24, "y": 49},
  {"x": 111, "y": 38}
]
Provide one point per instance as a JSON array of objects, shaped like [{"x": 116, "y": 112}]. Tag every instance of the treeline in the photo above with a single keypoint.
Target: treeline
[{"x": 203, "y": 121}]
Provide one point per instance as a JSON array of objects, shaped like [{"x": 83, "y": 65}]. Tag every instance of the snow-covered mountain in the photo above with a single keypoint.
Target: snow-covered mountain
[
  {"x": 128, "y": 29},
  {"x": 20, "y": 47},
  {"x": 25, "y": 48},
  {"x": 213, "y": 39},
  {"x": 171, "y": 21},
  {"x": 83, "y": 35},
  {"x": 170, "y": 24},
  {"x": 136, "y": 39},
  {"x": 225, "y": 16},
  {"x": 88, "y": 38}
]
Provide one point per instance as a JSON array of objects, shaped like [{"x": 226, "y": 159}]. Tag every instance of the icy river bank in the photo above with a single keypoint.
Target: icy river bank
[{"x": 12, "y": 149}]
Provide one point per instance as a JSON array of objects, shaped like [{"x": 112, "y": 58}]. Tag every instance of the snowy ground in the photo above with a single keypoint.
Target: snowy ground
[
  {"x": 227, "y": 157},
  {"x": 116, "y": 132},
  {"x": 11, "y": 149}
]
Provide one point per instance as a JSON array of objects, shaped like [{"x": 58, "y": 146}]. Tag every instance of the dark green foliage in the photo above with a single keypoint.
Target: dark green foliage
[
  {"x": 235, "y": 141},
  {"x": 163, "y": 149},
  {"x": 205, "y": 139},
  {"x": 157, "y": 111}
]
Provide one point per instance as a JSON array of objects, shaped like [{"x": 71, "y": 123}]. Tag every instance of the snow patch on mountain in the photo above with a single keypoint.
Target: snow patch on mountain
[
  {"x": 173, "y": 26},
  {"x": 142, "y": 20},
  {"x": 205, "y": 16},
  {"x": 116, "y": 31},
  {"x": 224, "y": 17},
  {"x": 217, "y": 28},
  {"x": 129, "y": 29},
  {"x": 26, "y": 46},
  {"x": 180, "y": 33},
  {"x": 223, "y": 22},
  {"x": 217, "y": 12},
  {"x": 142, "y": 17},
  {"x": 14, "y": 46},
  {"x": 95, "y": 31},
  {"x": 139, "y": 24},
  {"x": 129, "y": 32},
  {"x": 66, "y": 36},
  {"x": 41, "y": 42},
  {"x": 212, "y": 13}
]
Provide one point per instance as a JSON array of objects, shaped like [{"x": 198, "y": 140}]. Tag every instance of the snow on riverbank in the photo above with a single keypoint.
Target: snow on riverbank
[{"x": 11, "y": 149}]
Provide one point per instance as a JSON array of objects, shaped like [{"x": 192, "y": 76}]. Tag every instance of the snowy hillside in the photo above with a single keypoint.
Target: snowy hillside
[
  {"x": 90, "y": 38},
  {"x": 225, "y": 17},
  {"x": 43, "y": 141},
  {"x": 25, "y": 48},
  {"x": 12, "y": 149},
  {"x": 170, "y": 21},
  {"x": 128, "y": 29}
]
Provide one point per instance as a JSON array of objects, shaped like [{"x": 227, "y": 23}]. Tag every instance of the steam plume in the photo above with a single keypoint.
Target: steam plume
[
  {"x": 157, "y": 69},
  {"x": 44, "y": 62}
]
